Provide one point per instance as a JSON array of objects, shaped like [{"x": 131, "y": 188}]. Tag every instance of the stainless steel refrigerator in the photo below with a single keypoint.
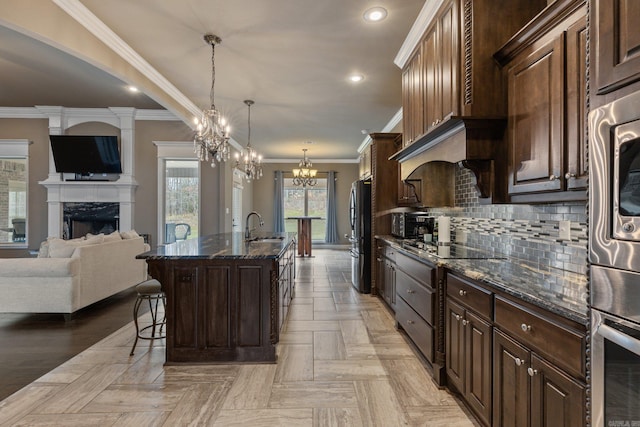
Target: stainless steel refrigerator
[{"x": 360, "y": 220}]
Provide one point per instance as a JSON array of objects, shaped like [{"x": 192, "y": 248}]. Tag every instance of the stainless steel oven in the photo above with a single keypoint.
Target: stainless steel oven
[
  {"x": 614, "y": 179},
  {"x": 614, "y": 253},
  {"x": 615, "y": 375}
]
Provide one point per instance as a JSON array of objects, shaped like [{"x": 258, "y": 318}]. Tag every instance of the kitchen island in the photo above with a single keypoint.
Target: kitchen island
[{"x": 227, "y": 296}]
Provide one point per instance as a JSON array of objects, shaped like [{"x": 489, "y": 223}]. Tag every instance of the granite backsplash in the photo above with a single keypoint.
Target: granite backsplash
[{"x": 526, "y": 232}]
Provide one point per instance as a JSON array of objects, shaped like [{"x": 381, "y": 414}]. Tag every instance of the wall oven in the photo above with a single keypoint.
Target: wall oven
[{"x": 614, "y": 253}]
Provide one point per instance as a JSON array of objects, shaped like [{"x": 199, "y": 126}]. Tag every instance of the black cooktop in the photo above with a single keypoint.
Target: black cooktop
[{"x": 453, "y": 251}]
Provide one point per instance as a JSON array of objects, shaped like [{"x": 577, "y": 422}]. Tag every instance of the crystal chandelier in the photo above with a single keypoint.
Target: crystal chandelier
[
  {"x": 211, "y": 142},
  {"x": 249, "y": 160},
  {"x": 305, "y": 175}
]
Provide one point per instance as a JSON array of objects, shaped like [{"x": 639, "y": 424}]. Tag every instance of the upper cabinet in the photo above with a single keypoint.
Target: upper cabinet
[
  {"x": 545, "y": 68},
  {"x": 364, "y": 167},
  {"x": 451, "y": 72},
  {"x": 454, "y": 102},
  {"x": 615, "y": 43}
]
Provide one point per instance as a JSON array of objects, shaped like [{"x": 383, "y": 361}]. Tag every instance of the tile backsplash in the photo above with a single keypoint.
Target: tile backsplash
[{"x": 527, "y": 232}]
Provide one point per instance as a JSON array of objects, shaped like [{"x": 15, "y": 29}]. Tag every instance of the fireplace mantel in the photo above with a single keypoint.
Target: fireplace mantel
[
  {"x": 59, "y": 192},
  {"x": 121, "y": 191}
]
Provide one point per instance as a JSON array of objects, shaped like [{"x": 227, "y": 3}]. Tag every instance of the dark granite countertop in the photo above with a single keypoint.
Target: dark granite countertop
[
  {"x": 558, "y": 291},
  {"x": 262, "y": 245}
]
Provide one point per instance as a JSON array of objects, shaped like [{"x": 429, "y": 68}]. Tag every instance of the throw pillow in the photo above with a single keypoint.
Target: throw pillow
[
  {"x": 113, "y": 237},
  {"x": 43, "y": 252},
  {"x": 129, "y": 234},
  {"x": 59, "y": 248}
]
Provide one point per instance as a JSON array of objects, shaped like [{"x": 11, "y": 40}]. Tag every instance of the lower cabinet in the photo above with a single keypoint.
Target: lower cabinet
[
  {"x": 529, "y": 391},
  {"x": 286, "y": 273},
  {"x": 415, "y": 303},
  {"x": 386, "y": 274},
  {"x": 514, "y": 364},
  {"x": 468, "y": 339},
  {"x": 539, "y": 368}
]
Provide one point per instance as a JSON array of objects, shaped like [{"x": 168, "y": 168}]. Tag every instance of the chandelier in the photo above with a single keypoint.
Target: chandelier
[
  {"x": 249, "y": 160},
  {"x": 211, "y": 142},
  {"x": 305, "y": 175}
]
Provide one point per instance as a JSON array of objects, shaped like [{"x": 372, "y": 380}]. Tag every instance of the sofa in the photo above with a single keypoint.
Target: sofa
[{"x": 71, "y": 274}]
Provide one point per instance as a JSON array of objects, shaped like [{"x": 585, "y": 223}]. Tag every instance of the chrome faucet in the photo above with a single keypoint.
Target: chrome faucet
[{"x": 247, "y": 232}]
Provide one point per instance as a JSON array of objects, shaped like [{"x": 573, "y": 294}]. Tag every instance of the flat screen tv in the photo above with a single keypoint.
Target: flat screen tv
[{"x": 86, "y": 154}]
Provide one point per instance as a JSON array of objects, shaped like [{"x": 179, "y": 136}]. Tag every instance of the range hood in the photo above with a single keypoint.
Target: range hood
[{"x": 475, "y": 143}]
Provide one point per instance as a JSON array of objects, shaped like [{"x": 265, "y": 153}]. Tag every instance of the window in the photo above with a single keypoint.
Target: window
[
  {"x": 14, "y": 178},
  {"x": 182, "y": 201},
  {"x": 306, "y": 201}
]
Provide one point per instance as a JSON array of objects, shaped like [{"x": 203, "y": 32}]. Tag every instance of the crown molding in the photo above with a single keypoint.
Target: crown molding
[
  {"x": 87, "y": 19},
  {"x": 21, "y": 113},
  {"x": 422, "y": 22},
  {"x": 40, "y": 112},
  {"x": 391, "y": 124}
]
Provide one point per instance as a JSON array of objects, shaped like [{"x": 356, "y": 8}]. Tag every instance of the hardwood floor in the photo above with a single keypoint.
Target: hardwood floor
[
  {"x": 33, "y": 344},
  {"x": 340, "y": 363}
]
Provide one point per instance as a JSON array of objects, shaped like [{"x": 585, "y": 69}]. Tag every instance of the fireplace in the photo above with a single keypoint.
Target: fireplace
[{"x": 94, "y": 217}]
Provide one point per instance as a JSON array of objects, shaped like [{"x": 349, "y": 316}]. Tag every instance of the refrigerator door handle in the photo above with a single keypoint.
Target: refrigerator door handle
[{"x": 353, "y": 254}]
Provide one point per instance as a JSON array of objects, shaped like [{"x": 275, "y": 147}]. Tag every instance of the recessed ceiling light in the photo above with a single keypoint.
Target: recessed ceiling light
[
  {"x": 133, "y": 89},
  {"x": 375, "y": 14},
  {"x": 356, "y": 78}
]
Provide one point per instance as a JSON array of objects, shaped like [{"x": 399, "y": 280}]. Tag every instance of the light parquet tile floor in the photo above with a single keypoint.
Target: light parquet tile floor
[{"x": 340, "y": 363}]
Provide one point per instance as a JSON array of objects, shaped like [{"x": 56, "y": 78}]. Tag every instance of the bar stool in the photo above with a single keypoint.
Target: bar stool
[{"x": 150, "y": 291}]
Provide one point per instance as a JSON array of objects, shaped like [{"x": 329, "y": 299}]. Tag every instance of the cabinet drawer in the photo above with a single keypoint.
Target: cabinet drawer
[
  {"x": 420, "y": 332},
  {"x": 417, "y": 296},
  {"x": 562, "y": 346},
  {"x": 416, "y": 269},
  {"x": 470, "y": 295}
]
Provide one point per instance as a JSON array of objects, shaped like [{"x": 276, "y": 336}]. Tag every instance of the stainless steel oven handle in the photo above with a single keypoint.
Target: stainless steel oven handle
[{"x": 623, "y": 340}]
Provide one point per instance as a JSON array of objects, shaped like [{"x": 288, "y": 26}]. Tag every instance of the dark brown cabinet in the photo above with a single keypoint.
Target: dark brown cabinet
[
  {"x": 546, "y": 84},
  {"x": 468, "y": 347},
  {"x": 529, "y": 391},
  {"x": 386, "y": 267},
  {"x": 441, "y": 49},
  {"x": 539, "y": 369},
  {"x": 615, "y": 44},
  {"x": 384, "y": 189},
  {"x": 225, "y": 309},
  {"x": 412, "y": 102},
  {"x": 415, "y": 304},
  {"x": 286, "y": 283},
  {"x": 451, "y": 72},
  {"x": 511, "y": 395}
]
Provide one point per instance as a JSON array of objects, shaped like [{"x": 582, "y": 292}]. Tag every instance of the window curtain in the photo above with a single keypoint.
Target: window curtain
[
  {"x": 331, "y": 234},
  {"x": 278, "y": 205}
]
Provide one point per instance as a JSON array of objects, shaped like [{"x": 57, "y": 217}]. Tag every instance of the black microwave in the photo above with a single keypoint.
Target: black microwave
[{"x": 411, "y": 225}]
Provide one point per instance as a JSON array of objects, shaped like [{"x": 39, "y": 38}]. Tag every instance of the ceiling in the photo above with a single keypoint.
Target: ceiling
[{"x": 292, "y": 57}]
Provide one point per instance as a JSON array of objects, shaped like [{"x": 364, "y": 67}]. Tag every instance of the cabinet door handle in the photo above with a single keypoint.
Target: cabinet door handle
[
  {"x": 569, "y": 175},
  {"x": 411, "y": 291},
  {"x": 553, "y": 177},
  {"x": 519, "y": 361},
  {"x": 458, "y": 317},
  {"x": 462, "y": 292},
  {"x": 465, "y": 322},
  {"x": 411, "y": 322},
  {"x": 532, "y": 372},
  {"x": 525, "y": 327},
  {"x": 379, "y": 259}
]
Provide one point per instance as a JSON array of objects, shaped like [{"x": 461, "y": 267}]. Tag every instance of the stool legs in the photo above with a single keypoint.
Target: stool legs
[{"x": 153, "y": 300}]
